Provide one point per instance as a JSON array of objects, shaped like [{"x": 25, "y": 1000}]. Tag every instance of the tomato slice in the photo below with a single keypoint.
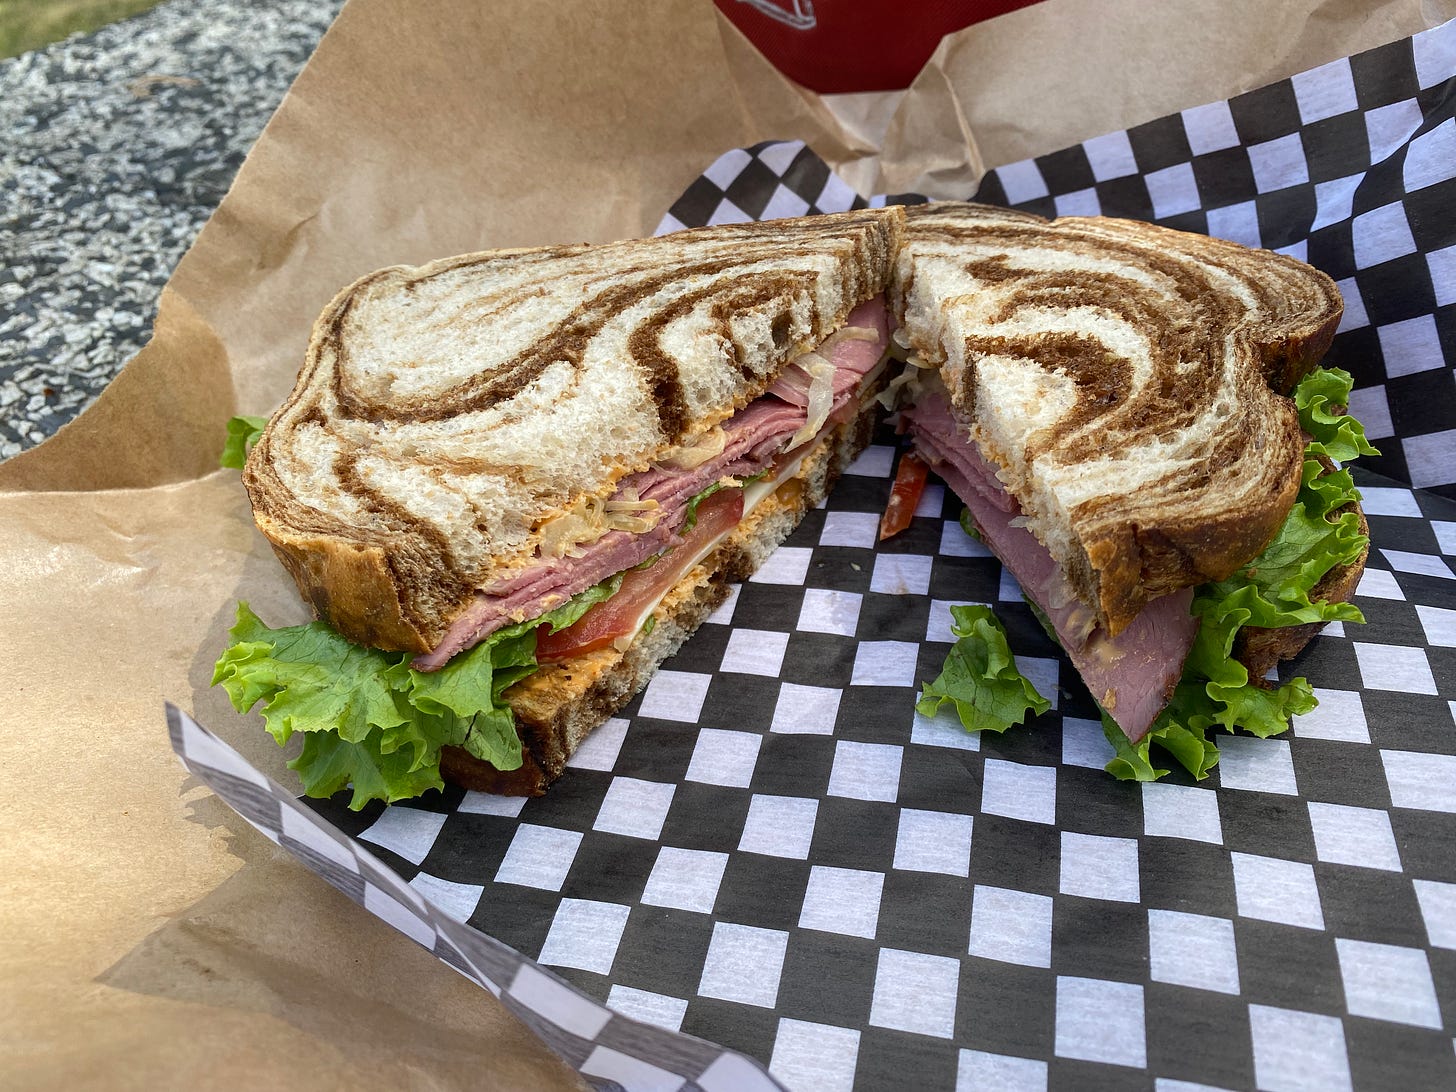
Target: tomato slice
[
  {"x": 904, "y": 495},
  {"x": 617, "y": 617}
]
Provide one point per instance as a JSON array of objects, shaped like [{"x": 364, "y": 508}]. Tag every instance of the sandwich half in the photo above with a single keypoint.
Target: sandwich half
[
  {"x": 1109, "y": 399},
  {"x": 510, "y": 484}
]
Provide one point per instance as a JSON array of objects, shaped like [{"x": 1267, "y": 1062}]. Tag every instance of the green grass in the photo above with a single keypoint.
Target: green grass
[{"x": 30, "y": 24}]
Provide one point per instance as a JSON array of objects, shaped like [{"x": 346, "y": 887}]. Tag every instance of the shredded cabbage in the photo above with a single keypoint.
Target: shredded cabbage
[{"x": 821, "y": 396}]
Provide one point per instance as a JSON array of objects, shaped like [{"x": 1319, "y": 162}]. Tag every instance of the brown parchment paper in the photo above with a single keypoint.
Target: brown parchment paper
[{"x": 148, "y": 937}]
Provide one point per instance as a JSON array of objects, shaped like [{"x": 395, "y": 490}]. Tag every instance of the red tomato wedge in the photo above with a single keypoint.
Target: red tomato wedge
[
  {"x": 617, "y": 617},
  {"x": 904, "y": 495}
]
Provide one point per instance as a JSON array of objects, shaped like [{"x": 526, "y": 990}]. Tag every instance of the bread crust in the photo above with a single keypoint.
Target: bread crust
[
  {"x": 558, "y": 705},
  {"x": 1132, "y": 563},
  {"x": 349, "y": 583}
]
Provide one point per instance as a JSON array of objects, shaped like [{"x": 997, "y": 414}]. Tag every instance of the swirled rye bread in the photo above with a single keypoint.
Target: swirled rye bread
[
  {"x": 1124, "y": 380},
  {"x": 1106, "y": 396},
  {"x": 472, "y": 442}
]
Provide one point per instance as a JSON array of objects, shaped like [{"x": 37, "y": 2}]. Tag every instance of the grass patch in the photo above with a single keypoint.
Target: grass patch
[{"x": 30, "y": 24}]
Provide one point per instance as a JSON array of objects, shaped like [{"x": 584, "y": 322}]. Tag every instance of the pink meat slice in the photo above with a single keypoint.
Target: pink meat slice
[
  {"x": 852, "y": 358},
  {"x": 936, "y": 430},
  {"x": 753, "y": 438},
  {"x": 1131, "y": 675}
]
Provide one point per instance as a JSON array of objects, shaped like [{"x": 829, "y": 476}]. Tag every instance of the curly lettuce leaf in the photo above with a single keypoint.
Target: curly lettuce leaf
[
  {"x": 242, "y": 434},
  {"x": 1273, "y": 590},
  {"x": 467, "y": 691},
  {"x": 1321, "y": 398},
  {"x": 968, "y": 525},
  {"x": 1233, "y": 700},
  {"x": 1134, "y": 761},
  {"x": 1181, "y": 730},
  {"x": 309, "y": 677},
  {"x": 570, "y": 612},
  {"x": 457, "y": 687},
  {"x": 980, "y": 678},
  {"x": 328, "y": 764},
  {"x": 370, "y": 720},
  {"x": 1215, "y": 692}
]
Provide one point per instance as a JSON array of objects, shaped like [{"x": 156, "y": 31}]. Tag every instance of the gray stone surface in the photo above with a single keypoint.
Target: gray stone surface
[{"x": 115, "y": 147}]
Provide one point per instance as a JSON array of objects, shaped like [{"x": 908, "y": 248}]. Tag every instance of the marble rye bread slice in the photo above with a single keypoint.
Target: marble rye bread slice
[{"x": 1126, "y": 380}]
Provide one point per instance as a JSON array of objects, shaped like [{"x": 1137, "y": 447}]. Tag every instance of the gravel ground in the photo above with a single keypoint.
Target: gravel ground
[{"x": 115, "y": 147}]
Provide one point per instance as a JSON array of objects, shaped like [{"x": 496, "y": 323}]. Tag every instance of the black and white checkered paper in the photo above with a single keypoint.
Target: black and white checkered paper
[{"x": 770, "y": 850}]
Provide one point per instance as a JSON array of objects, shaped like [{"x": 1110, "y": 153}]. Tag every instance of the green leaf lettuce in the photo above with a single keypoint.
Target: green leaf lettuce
[
  {"x": 369, "y": 719},
  {"x": 242, "y": 434},
  {"x": 980, "y": 678},
  {"x": 1272, "y": 591}
]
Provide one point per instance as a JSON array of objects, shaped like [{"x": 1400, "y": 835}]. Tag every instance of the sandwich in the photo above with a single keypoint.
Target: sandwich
[
  {"x": 509, "y": 484},
  {"x": 1136, "y": 423}
]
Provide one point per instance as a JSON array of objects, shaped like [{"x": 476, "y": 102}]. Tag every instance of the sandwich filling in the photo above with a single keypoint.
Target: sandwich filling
[
  {"x": 1133, "y": 674},
  {"x": 816, "y": 391}
]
